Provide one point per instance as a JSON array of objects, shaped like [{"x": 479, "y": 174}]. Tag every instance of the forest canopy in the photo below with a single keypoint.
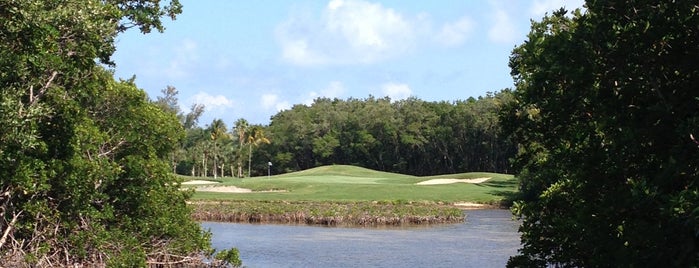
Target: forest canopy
[
  {"x": 409, "y": 136},
  {"x": 84, "y": 171},
  {"x": 606, "y": 119}
]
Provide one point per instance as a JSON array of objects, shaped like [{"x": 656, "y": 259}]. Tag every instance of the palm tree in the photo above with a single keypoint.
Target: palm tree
[
  {"x": 218, "y": 132},
  {"x": 241, "y": 128},
  {"x": 256, "y": 136}
]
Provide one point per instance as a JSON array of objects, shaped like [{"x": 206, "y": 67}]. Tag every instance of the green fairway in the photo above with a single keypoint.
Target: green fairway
[{"x": 348, "y": 183}]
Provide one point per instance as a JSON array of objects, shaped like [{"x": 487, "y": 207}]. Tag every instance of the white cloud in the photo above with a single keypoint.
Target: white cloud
[
  {"x": 502, "y": 29},
  {"x": 455, "y": 33},
  {"x": 334, "y": 90},
  {"x": 216, "y": 104},
  {"x": 272, "y": 101},
  {"x": 347, "y": 32},
  {"x": 396, "y": 91},
  {"x": 541, "y": 7}
]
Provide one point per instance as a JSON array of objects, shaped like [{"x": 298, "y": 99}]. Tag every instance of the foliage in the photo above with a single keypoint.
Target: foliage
[
  {"x": 357, "y": 213},
  {"x": 231, "y": 256},
  {"x": 84, "y": 176},
  {"x": 605, "y": 117},
  {"x": 406, "y": 136}
]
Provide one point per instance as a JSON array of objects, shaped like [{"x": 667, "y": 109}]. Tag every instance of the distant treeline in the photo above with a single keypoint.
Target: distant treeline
[{"x": 408, "y": 136}]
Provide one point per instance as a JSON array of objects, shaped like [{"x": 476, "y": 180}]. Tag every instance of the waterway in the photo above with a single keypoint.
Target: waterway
[{"x": 486, "y": 239}]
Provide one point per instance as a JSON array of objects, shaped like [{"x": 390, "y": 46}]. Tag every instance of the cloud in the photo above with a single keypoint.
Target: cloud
[
  {"x": 272, "y": 101},
  {"x": 347, "y": 32},
  {"x": 541, "y": 7},
  {"x": 211, "y": 103},
  {"x": 455, "y": 33},
  {"x": 503, "y": 29},
  {"x": 334, "y": 90},
  {"x": 396, "y": 91}
]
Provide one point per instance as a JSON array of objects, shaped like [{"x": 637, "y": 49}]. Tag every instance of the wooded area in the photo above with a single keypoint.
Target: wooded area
[
  {"x": 408, "y": 136},
  {"x": 84, "y": 175},
  {"x": 606, "y": 117}
]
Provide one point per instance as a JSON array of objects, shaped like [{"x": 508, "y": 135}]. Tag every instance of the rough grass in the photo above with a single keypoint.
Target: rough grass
[{"x": 326, "y": 213}]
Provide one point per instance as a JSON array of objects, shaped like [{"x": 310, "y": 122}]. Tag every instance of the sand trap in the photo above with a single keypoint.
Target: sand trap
[
  {"x": 232, "y": 189},
  {"x": 450, "y": 181},
  {"x": 198, "y": 182},
  {"x": 223, "y": 189}
]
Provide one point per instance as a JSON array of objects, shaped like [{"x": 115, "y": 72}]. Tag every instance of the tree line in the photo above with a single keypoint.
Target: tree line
[
  {"x": 213, "y": 150},
  {"x": 408, "y": 136}
]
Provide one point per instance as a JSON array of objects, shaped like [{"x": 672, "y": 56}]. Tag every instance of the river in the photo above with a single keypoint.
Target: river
[{"x": 486, "y": 239}]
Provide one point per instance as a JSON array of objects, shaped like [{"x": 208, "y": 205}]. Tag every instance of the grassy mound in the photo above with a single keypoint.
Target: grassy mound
[{"x": 342, "y": 183}]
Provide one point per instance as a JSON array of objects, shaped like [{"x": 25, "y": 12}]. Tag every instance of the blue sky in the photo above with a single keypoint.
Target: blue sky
[{"x": 251, "y": 59}]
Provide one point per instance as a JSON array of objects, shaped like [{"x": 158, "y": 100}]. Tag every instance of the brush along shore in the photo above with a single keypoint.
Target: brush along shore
[{"x": 360, "y": 213}]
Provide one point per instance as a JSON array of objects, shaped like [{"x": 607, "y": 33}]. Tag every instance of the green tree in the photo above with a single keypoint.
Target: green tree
[
  {"x": 84, "y": 173},
  {"x": 217, "y": 131},
  {"x": 605, "y": 116},
  {"x": 256, "y": 136},
  {"x": 169, "y": 103},
  {"x": 241, "y": 130}
]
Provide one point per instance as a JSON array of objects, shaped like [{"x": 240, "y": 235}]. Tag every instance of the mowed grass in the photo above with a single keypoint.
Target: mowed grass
[{"x": 341, "y": 183}]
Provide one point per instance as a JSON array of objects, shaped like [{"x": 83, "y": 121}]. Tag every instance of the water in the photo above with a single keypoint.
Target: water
[{"x": 486, "y": 239}]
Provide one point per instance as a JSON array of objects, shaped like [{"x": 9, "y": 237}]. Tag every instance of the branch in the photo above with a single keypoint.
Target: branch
[
  {"x": 9, "y": 228},
  {"x": 105, "y": 153},
  {"x": 33, "y": 99}
]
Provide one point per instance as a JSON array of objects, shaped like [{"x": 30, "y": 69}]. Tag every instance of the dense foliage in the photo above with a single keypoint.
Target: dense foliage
[
  {"x": 606, "y": 118},
  {"x": 84, "y": 176},
  {"x": 406, "y": 136}
]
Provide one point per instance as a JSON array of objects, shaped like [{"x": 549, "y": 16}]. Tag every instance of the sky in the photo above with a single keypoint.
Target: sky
[{"x": 251, "y": 59}]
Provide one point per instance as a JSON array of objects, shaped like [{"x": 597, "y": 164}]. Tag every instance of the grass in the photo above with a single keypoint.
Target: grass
[
  {"x": 326, "y": 213},
  {"x": 341, "y": 183}
]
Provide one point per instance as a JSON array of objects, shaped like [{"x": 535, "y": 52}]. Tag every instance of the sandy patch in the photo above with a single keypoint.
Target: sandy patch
[
  {"x": 198, "y": 182},
  {"x": 468, "y": 205},
  {"x": 450, "y": 181},
  {"x": 223, "y": 189},
  {"x": 232, "y": 189}
]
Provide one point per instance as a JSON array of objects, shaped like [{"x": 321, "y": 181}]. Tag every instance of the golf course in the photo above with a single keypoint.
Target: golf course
[{"x": 347, "y": 195}]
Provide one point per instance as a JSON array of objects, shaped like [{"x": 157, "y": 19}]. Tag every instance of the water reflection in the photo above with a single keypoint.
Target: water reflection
[{"x": 486, "y": 239}]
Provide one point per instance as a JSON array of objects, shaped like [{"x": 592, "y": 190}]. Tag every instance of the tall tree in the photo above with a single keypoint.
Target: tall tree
[
  {"x": 217, "y": 131},
  {"x": 241, "y": 130},
  {"x": 256, "y": 136},
  {"x": 84, "y": 174},
  {"x": 606, "y": 118}
]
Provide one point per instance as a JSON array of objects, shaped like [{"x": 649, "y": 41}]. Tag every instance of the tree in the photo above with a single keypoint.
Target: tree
[
  {"x": 168, "y": 101},
  {"x": 605, "y": 116},
  {"x": 241, "y": 129},
  {"x": 256, "y": 136},
  {"x": 84, "y": 174},
  {"x": 217, "y": 131}
]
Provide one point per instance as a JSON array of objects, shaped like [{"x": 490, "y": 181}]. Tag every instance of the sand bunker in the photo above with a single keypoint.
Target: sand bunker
[
  {"x": 450, "y": 181},
  {"x": 232, "y": 189},
  {"x": 198, "y": 182},
  {"x": 223, "y": 189}
]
